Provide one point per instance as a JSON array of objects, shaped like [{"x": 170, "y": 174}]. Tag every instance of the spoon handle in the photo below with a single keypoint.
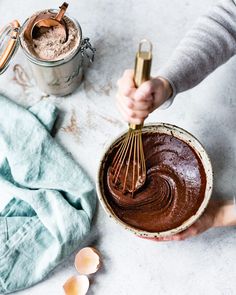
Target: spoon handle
[{"x": 62, "y": 11}]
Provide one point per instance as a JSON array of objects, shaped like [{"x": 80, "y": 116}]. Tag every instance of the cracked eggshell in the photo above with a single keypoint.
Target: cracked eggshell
[
  {"x": 87, "y": 261},
  {"x": 76, "y": 285}
]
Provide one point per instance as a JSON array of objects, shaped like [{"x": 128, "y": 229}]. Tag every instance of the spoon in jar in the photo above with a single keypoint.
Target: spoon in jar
[{"x": 45, "y": 21}]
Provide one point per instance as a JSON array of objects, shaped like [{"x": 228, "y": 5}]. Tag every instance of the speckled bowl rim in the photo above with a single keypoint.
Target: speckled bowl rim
[{"x": 198, "y": 148}]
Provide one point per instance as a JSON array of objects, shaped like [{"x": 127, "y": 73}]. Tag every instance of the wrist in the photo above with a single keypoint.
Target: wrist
[
  {"x": 168, "y": 90},
  {"x": 225, "y": 214}
]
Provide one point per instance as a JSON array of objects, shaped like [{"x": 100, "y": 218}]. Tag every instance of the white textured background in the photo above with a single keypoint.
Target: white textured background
[{"x": 202, "y": 265}]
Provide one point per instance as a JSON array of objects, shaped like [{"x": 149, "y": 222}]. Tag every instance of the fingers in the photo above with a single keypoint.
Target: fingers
[
  {"x": 126, "y": 84},
  {"x": 129, "y": 114},
  {"x": 136, "y": 104},
  {"x": 132, "y": 106},
  {"x": 133, "y": 110},
  {"x": 153, "y": 239},
  {"x": 190, "y": 232},
  {"x": 131, "y": 103},
  {"x": 145, "y": 92}
]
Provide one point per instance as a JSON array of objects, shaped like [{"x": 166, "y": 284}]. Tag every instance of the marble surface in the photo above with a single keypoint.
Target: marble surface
[{"x": 89, "y": 120}]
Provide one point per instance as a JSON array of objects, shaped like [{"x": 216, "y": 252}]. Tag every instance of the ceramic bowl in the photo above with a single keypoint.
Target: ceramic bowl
[{"x": 191, "y": 141}]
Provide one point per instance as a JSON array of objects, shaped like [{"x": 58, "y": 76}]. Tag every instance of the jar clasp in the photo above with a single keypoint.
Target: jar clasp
[{"x": 85, "y": 44}]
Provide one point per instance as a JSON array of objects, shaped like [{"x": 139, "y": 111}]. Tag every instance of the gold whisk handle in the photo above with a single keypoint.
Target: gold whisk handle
[
  {"x": 142, "y": 68},
  {"x": 143, "y": 63}
]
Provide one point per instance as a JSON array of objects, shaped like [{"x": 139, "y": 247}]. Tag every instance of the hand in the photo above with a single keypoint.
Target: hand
[
  {"x": 135, "y": 104},
  {"x": 217, "y": 214}
]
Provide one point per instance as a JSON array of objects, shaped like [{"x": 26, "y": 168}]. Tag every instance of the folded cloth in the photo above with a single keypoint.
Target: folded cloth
[{"x": 51, "y": 199}]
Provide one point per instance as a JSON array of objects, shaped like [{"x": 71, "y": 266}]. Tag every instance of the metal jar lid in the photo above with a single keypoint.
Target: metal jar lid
[{"x": 8, "y": 43}]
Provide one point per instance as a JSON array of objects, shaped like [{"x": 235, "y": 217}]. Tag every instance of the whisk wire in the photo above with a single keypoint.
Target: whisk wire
[
  {"x": 128, "y": 161},
  {"x": 142, "y": 162},
  {"x": 120, "y": 158},
  {"x": 128, "y": 165},
  {"x": 138, "y": 148},
  {"x": 134, "y": 163}
]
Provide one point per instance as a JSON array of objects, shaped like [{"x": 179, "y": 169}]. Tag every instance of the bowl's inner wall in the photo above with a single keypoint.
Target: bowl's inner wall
[{"x": 175, "y": 186}]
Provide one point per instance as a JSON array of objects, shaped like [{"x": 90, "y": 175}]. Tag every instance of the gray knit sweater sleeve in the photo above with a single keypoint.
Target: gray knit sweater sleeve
[{"x": 210, "y": 43}]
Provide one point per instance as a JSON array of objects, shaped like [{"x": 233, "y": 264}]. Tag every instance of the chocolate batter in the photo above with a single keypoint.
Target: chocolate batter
[{"x": 174, "y": 188}]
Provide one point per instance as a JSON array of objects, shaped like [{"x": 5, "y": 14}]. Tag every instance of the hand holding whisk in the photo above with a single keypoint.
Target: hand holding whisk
[{"x": 128, "y": 166}]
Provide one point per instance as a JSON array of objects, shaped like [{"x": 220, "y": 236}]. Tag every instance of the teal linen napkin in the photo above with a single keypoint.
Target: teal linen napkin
[{"x": 52, "y": 200}]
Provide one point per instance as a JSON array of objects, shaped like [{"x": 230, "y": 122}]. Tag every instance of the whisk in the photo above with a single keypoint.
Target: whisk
[{"x": 128, "y": 166}]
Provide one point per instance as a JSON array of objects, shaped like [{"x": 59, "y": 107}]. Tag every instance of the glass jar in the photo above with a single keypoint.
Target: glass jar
[{"x": 57, "y": 77}]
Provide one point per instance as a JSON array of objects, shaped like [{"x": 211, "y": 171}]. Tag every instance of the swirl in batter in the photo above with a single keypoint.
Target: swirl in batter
[{"x": 174, "y": 188}]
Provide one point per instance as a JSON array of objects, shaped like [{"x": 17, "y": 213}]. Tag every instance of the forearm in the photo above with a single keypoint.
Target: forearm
[
  {"x": 225, "y": 214},
  {"x": 210, "y": 43}
]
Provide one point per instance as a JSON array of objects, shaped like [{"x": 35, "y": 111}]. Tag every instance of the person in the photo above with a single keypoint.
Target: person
[{"x": 209, "y": 44}]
